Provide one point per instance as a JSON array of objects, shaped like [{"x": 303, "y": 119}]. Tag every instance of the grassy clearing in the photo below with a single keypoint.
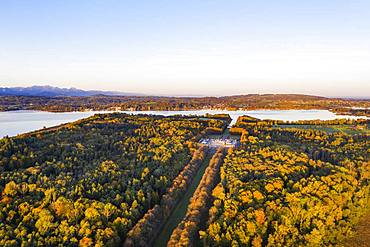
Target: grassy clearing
[
  {"x": 361, "y": 236},
  {"x": 225, "y": 134},
  {"x": 347, "y": 129}
]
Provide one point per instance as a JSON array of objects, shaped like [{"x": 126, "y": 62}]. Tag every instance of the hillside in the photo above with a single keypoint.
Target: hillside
[
  {"x": 245, "y": 102},
  {"x": 50, "y": 91}
]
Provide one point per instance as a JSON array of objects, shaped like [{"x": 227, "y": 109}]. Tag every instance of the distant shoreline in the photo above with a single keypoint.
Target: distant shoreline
[
  {"x": 146, "y": 103},
  {"x": 185, "y": 110}
]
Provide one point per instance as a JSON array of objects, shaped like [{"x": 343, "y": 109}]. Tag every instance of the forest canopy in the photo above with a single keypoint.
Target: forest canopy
[
  {"x": 115, "y": 179},
  {"x": 88, "y": 182},
  {"x": 290, "y": 184}
]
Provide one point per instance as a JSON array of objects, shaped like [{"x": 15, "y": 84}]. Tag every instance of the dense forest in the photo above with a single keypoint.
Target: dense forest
[
  {"x": 115, "y": 180},
  {"x": 146, "y": 230},
  {"x": 89, "y": 182},
  {"x": 143, "y": 103},
  {"x": 290, "y": 186}
]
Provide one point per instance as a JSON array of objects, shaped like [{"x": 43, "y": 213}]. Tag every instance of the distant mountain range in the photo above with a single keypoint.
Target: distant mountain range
[{"x": 50, "y": 91}]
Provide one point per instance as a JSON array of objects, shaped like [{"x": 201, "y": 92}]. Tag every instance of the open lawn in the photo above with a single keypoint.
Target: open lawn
[
  {"x": 361, "y": 236},
  {"x": 181, "y": 209},
  {"x": 347, "y": 129}
]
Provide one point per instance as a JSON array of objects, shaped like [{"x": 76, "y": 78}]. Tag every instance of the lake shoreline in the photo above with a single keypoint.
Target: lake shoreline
[
  {"x": 201, "y": 109},
  {"x": 23, "y": 121}
]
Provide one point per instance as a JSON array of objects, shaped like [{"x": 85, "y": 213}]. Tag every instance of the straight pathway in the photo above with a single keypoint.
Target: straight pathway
[
  {"x": 361, "y": 236},
  {"x": 180, "y": 211}
]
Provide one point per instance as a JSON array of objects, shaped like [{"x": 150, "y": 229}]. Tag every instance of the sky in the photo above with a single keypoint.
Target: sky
[{"x": 192, "y": 47}]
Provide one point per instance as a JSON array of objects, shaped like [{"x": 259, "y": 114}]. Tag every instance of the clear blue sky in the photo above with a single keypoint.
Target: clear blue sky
[{"x": 188, "y": 47}]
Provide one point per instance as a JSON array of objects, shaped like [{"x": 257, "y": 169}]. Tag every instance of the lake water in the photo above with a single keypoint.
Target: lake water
[{"x": 17, "y": 122}]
